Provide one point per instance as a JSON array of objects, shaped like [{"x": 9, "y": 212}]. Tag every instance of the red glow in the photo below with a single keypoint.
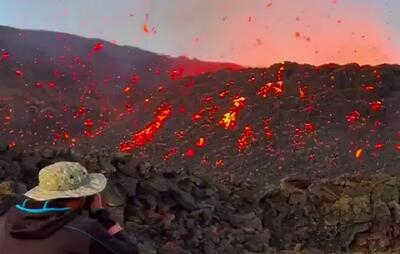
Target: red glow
[
  {"x": 177, "y": 73},
  {"x": 353, "y": 116},
  {"x": 5, "y": 56},
  {"x": 303, "y": 92},
  {"x": 190, "y": 153},
  {"x": 219, "y": 163},
  {"x": 229, "y": 120},
  {"x": 309, "y": 127},
  {"x": 358, "y": 153},
  {"x": 171, "y": 152},
  {"x": 246, "y": 139},
  {"x": 379, "y": 146},
  {"x": 52, "y": 85},
  {"x": 146, "y": 135},
  {"x": 19, "y": 73},
  {"x": 271, "y": 89},
  {"x": 145, "y": 28},
  {"x": 88, "y": 123},
  {"x": 376, "y": 105},
  {"x": 98, "y": 47},
  {"x": 224, "y": 93},
  {"x": 196, "y": 117},
  {"x": 201, "y": 142}
]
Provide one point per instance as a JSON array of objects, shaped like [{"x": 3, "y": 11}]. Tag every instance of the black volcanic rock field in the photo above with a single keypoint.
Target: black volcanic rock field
[{"x": 166, "y": 211}]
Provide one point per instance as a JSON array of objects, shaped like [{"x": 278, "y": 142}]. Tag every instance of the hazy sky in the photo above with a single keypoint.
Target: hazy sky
[{"x": 249, "y": 32}]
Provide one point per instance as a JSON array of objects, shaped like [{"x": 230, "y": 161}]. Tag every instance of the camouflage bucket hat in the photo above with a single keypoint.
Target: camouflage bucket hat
[{"x": 66, "y": 180}]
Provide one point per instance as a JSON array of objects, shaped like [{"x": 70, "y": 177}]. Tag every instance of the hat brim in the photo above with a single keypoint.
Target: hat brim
[{"x": 96, "y": 184}]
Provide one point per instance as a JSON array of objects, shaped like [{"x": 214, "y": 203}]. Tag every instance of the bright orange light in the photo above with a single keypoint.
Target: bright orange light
[
  {"x": 271, "y": 89},
  {"x": 246, "y": 139},
  {"x": 359, "y": 153},
  {"x": 303, "y": 92},
  {"x": 147, "y": 134},
  {"x": 145, "y": 28},
  {"x": 229, "y": 120},
  {"x": 201, "y": 142}
]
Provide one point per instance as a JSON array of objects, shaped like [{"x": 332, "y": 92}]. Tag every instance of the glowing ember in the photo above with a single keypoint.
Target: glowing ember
[
  {"x": 127, "y": 90},
  {"x": 19, "y": 73},
  {"x": 98, "y": 47},
  {"x": 271, "y": 89},
  {"x": 302, "y": 92},
  {"x": 376, "y": 105},
  {"x": 239, "y": 102},
  {"x": 177, "y": 73},
  {"x": 228, "y": 120},
  {"x": 5, "y": 56},
  {"x": 196, "y": 117},
  {"x": 224, "y": 93},
  {"x": 171, "y": 152},
  {"x": 190, "y": 153},
  {"x": 353, "y": 116},
  {"x": 246, "y": 139},
  {"x": 309, "y": 127},
  {"x": 39, "y": 85},
  {"x": 219, "y": 163},
  {"x": 201, "y": 142},
  {"x": 145, "y": 28},
  {"x": 358, "y": 153},
  {"x": 179, "y": 134},
  {"x": 88, "y": 123},
  {"x": 207, "y": 99}
]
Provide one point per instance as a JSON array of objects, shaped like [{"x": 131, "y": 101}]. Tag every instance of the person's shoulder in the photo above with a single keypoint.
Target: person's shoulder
[{"x": 86, "y": 225}]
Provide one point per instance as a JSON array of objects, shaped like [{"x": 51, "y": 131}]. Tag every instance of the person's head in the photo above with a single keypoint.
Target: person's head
[{"x": 67, "y": 183}]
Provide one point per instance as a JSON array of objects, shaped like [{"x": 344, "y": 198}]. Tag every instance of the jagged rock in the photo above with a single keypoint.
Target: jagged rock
[
  {"x": 107, "y": 167},
  {"x": 172, "y": 247},
  {"x": 176, "y": 212},
  {"x": 246, "y": 221},
  {"x": 159, "y": 184},
  {"x": 144, "y": 169},
  {"x": 112, "y": 196},
  {"x": 258, "y": 242},
  {"x": 121, "y": 157},
  {"x": 183, "y": 198},
  {"x": 129, "y": 184}
]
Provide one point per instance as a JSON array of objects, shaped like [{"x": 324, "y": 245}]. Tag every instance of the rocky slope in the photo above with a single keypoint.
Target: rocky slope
[
  {"x": 54, "y": 85},
  {"x": 263, "y": 124},
  {"x": 180, "y": 212}
]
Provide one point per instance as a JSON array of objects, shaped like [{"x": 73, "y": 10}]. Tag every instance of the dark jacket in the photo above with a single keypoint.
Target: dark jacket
[{"x": 44, "y": 232}]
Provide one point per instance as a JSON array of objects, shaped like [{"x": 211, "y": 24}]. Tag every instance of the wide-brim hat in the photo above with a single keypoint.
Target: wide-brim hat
[{"x": 66, "y": 180}]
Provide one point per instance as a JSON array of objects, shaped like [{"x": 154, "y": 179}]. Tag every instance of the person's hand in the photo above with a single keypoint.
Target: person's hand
[{"x": 96, "y": 203}]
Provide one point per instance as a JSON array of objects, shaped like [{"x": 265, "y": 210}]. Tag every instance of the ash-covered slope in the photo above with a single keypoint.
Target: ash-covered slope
[
  {"x": 289, "y": 118},
  {"x": 51, "y": 83}
]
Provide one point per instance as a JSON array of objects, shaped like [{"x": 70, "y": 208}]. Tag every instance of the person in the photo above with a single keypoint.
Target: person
[{"x": 51, "y": 220}]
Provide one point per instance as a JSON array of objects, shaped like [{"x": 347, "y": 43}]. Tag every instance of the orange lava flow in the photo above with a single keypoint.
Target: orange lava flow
[{"x": 146, "y": 135}]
